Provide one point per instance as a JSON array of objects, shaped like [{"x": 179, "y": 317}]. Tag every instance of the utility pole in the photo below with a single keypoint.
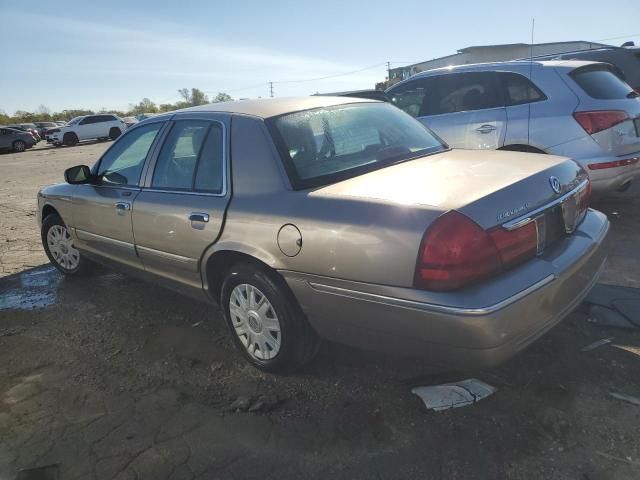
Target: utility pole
[
  {"x": 388, "y": 70},
  {"x": 271, "y": 89}
]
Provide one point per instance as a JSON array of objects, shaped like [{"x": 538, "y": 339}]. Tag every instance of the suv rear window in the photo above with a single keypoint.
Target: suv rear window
[{"x": 600, "y": 82}]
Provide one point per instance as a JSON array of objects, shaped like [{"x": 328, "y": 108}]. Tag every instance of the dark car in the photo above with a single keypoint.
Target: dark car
[
  {"x": 13, "y": 140},
  {"x": 29, "y": 128},
  {"x": 42, "y": 127},
  {"x": 366, "y": 94},
  {"x": 625, "y": 59}
]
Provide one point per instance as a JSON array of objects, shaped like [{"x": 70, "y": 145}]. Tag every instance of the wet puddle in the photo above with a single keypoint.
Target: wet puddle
[{"x": 30, "y": 290}]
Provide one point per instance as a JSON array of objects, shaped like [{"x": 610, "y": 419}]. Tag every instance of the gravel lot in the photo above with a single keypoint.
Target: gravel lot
[{"x": 115, "y": 378}]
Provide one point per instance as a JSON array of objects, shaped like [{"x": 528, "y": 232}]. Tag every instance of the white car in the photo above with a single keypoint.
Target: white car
[{"x": 88, "y": 127}]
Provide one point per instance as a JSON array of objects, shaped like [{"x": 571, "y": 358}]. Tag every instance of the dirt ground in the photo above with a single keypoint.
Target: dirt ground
[{"x": 115, "y": 378}]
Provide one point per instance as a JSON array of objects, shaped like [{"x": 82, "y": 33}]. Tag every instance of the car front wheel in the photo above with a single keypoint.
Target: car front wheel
[
  {"x": 266, "y": 323},
  {"x": 58, "y": 245}
]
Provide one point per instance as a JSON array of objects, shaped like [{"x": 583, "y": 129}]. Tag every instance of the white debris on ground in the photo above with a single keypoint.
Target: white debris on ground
[{"x": 453, "y": 395}]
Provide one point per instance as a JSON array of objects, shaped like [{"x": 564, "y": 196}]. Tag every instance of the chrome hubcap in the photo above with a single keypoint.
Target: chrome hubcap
[
  {"x": 61, "y": 247},
  {"x": 255, "y": 321}
]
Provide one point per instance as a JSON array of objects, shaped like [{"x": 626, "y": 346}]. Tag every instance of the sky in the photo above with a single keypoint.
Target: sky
[{"x": 108, "y": 55}]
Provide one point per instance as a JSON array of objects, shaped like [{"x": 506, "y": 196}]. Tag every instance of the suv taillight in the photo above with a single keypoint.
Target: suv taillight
[
  {"x": 598, "y": 120},
  {"x": 456, "y": 252}
]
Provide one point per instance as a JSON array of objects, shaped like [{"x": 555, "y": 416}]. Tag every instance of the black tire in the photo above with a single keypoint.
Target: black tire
[
  {"x": 19, "y": 146},
  {"x": 298, "y": 342},
  {"x": 70, "y": 139},
  {"x": 84, "y": 266},
  {"x": 114, "y": 133}
]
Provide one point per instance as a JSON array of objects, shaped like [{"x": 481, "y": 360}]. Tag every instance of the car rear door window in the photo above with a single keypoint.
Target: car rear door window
[
  {"x": 461, "y": 92},
  {"x": 519, "y": 90},
  {"x": 122, "y": 163},
  {"x": 210, "y": 166},
  {"x": 411, "y": 96},
  {"x": 178, "y": 157},
  {"x": 600, "y": 82}
]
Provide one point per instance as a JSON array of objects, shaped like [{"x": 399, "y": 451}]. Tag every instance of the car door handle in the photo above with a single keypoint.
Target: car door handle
[
  {"x": 123, "y": 207},
  {"x": 486, "y": 128},
  {"x": 199, "y": 217}
]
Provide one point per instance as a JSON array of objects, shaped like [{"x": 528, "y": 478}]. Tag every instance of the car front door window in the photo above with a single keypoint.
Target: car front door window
[
  {"x": 122, "y": 164},
  {"x": 178, "y": 157}
]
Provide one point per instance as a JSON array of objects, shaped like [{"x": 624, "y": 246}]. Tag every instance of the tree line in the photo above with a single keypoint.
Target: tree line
[{"x": 189, "y": 98}]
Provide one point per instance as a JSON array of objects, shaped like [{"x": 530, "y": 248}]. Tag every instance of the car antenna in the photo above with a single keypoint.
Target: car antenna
[{"x": 533, "y": 24}]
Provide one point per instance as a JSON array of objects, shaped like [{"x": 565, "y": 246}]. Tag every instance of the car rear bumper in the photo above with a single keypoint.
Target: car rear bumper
[
  {"x": 478, "y": 327},
  {"x": 608, "y": 180}
]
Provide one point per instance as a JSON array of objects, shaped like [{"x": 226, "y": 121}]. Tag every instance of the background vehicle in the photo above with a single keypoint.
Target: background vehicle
[
  {"x": 130, "y": 121},
  {"x": 576, "y": 109},
  {"x": 29, "y": 128},
  {"x": 88, "y": 127},
  {"x": 625, "y": 59},
  {"x": 368, "y": 94},
  {"x": 14, "y": 140},
  {"x": 348, "y": 220},
  {"x": 42, "y": 127}
]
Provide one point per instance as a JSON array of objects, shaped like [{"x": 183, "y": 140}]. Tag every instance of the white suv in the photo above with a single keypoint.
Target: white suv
[{"x": 88, "y": 127}]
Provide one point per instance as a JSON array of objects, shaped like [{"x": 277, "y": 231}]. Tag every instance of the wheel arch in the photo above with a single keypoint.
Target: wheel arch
[
  {"x": 48, "y": 209},
  {"x": 217, "y": 262},
  {"x": 521, "y": 147}
]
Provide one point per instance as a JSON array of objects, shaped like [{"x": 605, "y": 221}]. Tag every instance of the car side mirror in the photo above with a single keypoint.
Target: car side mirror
[{"x": 77, "y": 175}]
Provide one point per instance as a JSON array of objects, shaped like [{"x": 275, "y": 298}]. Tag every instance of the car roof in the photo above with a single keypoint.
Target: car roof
[
  {"x": 272, "y": 107},
  {"x": 571, "y": 64}
]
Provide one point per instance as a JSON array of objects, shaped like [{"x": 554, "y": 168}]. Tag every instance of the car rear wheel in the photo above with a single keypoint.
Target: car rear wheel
[
  {"x": 114, "y": 133},
  {"x": 19, "y": 146},
  {"x": 70, "y": 139},
  {"x": 58, "y": 245},
  {"x": 266, "y": 323}
]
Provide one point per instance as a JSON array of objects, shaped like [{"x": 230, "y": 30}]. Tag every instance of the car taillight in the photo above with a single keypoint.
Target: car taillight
[
  {"x": 456, "y": 252},
  {"x": 515, "y": 246},
  {"x": 598, "y": 120},
  {"x": 613, "y": 164}
]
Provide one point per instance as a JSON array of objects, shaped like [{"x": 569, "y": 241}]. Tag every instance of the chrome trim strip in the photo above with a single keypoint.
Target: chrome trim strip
[
  {"x": 101, "y": 238},
  {"x": 169, "y": 256},
  {"x": 430, "y": 307},
  {"x": 183, "y": 192},
  {"x": 530, "y": 216}
]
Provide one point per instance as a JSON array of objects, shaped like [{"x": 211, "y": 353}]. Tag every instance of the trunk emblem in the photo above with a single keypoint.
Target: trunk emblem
[{"x": 555, "y": 184}]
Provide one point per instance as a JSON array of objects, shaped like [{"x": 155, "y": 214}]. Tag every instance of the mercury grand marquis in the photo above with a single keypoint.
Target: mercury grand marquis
[{"x": 335, "y": 218}]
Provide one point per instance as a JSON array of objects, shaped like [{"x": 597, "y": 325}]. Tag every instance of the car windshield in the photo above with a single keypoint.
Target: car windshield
[
  {"x": 326, "y": 145},
  {"x": 74, "y": 120}
]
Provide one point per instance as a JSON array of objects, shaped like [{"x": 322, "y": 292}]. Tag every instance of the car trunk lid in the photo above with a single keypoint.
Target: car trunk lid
[{"x": 491, "y": 187}]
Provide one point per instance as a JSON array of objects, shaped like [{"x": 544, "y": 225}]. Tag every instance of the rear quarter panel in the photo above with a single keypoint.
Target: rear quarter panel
[{"x": 347, "y": 238}]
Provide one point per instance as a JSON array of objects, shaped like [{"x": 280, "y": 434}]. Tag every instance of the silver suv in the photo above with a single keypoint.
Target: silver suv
[{"x": 576, "y": 109}]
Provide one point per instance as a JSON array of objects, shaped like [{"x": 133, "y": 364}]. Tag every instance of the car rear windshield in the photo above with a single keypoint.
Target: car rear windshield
[
  {"x": 330, "y": 144},
  {"x": 600, "y": 82}
]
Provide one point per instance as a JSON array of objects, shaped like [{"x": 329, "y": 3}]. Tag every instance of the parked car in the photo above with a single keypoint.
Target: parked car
[
  {"x": 130, "y": 121},
  {"x": 572, "y": 108},
  {"x": 29, "y": 128},
  {"x": 42, "y": 127},
  {"x": 625, "y": 59},
  {"x": 14, "y": 140},
  {"x": 88, "y": 127},
  {"x": 369, "y": 94},
  {"x": 60, "y": 123},
  {"x": 338, "y": 218}
]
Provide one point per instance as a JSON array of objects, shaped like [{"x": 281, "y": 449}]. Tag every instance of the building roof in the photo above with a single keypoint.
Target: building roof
[
  {"x": 501, "y": 46},
  {"x": 271, "y": 107}
]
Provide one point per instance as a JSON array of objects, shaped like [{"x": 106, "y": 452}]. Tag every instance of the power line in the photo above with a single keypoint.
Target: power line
[{"x": 330, "y": 76}]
